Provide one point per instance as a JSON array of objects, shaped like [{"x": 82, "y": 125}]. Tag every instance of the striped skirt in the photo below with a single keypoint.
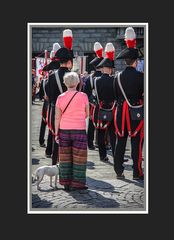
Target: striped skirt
[{"x": 72, "y": 157}]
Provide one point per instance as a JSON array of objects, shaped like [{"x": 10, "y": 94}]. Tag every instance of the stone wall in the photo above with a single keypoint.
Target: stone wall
[{"x": 83, "y": 39}]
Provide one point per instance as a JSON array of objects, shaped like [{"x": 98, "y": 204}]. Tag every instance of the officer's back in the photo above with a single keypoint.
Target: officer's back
[
  {"x": 53, "y": 87},
  {"x": 132, "y": 82},
  {"x": 105, "y": 88}
]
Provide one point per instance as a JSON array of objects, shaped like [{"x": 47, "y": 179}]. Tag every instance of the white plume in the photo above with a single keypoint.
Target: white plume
[
  {"x": 130, "y": 34},
  {"x": 67, "y": 33},
  {"x": 56, "y": 47},
  {"x": 109, "y": 47},
  {"x": 52, "y": 54},
  {"x": 97, "y": 46}
]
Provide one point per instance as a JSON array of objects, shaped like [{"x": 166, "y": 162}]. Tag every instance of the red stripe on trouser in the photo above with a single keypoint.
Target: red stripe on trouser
[
  {"x": 92, "y": 115},
  {"x": 115, "y": 124},
  {"x": 139, "y": 127},
  {"x": 123, "y": 116},
  {"x": 90, "y": 109},
  {"x": 140, "y": 153},
  {"x": 43, "y": 117},
  {"x": 123, "y": 120},
  {"x": 47, "y": 116},
  {"x": 128, "y": 119},
  {"x": 50, "y": 117},
  {"x": 50, "y": 122}
]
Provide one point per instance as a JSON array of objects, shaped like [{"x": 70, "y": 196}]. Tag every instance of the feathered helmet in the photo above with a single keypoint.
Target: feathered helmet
[
  {"x": 130, "y": 37},
  {"x": 68, "y": 38},
  {"x": 98, "y": 49},
  {"x": 66, "y": 53},
  {"x": 54, "y": 62},
  {"x": 56, "y": 47},
  {"x": 108, "y": 60},
  {"x": 131, "y": 52}
]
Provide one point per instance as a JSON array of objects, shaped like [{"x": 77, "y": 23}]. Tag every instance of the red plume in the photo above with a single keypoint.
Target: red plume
[
  {"x": 67, "y": 38},
  {"x": 110, "y": 51},
  {"x": 98, "y": 49}
]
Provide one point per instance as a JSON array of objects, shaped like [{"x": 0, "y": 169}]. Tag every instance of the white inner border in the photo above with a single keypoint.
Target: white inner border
[{"x": 29, "y": 25}]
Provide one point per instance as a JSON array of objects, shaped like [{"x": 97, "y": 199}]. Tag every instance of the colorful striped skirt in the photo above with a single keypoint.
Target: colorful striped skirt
[{"x": 72, "y": 157}]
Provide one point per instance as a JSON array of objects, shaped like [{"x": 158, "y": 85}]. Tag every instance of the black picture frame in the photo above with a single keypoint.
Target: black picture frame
[{"x": 15, "y": 138}]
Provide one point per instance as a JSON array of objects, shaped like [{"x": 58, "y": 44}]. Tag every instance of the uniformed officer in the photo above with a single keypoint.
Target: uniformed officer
[
  {"x": 42, "y": 95},
  {"x": 55, "y": 83},
  {"x": 89, "y": 88},
  {"x": 132, "y": 83},
  {"x": 106, "y": 97},
  {"x": 49, "y": 68}
]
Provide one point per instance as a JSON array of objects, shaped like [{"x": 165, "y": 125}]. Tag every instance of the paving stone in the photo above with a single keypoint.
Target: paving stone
[{"x": 104, "y": 192}]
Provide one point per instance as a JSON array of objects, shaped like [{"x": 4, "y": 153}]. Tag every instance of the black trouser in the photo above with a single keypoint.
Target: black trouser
[
  {"x": 55, "y": 153},
  {"x": 90, "y": 133},
  {"x": 43, "y": 123},
  {"x": 49, "y": 148},
  {"x": 55, "y": 148},
  {"x": 101, "y": 140},
  {"x": 120, "y": 148},
  {"x": 42, "y": 132}
]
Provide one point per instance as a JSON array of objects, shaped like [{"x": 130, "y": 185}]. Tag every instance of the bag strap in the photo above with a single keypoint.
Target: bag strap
[
  {"x": 95, "y": 87},
  {"x": 44, "y": 81},
  {"x": 91, "y": 81},
  {"x": 114, "y": 85},
  {"x": 123, "y": 92},
  {"x": 58, "y": 81},
  {"x": 69, "y": 102}
]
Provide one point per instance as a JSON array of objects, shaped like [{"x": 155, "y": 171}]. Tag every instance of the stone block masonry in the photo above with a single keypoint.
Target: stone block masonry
[{"x": 83, "y": 39}]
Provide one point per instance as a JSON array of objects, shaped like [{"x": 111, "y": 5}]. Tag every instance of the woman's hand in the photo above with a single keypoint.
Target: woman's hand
[{"x": 57, "y": 139}]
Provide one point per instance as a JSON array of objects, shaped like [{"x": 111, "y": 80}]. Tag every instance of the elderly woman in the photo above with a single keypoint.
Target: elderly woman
[{"x": 72, "y": 109}]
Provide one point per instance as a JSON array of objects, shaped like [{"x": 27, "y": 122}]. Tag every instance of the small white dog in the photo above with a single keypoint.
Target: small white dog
[{"x": 51, "y": 171}]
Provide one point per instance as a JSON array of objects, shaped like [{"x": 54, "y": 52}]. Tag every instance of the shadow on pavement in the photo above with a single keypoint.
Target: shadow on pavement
[
  {"x": 35, "y": 161},
  {"x": 99, "y": 185},
  {"x": 90, "y": 165},
  {"x": 139, "y": 183},
  {"x": 48, "y": 190},
  {"x": 37, "y": 202},
  {"x": 128, "y": 167},
  {"x": 93, "y": 199}
]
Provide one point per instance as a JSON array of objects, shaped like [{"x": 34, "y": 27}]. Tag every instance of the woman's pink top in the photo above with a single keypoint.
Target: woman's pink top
[{"x": 75, "y": 115}]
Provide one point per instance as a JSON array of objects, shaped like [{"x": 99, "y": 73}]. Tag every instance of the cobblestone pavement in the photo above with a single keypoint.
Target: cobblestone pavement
[{"x": 105, "y": 192}]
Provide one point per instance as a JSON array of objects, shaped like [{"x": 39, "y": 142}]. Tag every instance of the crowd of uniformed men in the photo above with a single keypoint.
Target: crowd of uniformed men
[{"x": 115, "y": 100}]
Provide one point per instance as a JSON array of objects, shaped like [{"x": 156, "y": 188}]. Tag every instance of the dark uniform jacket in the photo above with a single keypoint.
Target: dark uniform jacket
[
  {"x": 52, "y": 91},
  {"x": 132, "y": 83},
  {"x": 105, "y": 89},
  {"x": 52, "y": 88},
  {"x": 42, "y": 92},
  {"x": 87, "y": 87}
]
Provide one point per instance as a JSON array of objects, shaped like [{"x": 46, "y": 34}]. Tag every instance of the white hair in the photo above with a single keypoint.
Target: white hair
[{"x": 71, "y": 79}]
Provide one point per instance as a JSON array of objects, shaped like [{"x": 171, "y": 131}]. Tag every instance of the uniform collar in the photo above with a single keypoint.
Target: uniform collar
[{"x": 130, "y": 67}]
